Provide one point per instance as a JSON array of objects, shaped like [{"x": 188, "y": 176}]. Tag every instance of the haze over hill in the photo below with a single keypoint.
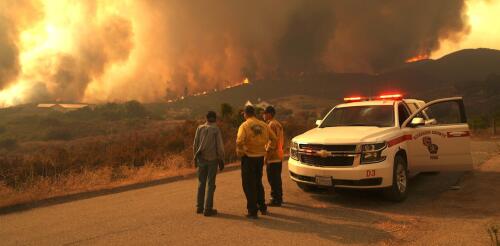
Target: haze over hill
[{"x": 463, "y": 73}]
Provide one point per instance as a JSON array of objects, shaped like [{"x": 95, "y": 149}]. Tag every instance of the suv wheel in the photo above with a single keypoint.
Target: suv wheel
[{"x": 399, "y": 189}]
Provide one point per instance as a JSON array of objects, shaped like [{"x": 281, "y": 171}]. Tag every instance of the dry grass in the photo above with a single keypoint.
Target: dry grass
[
  {"x": 39, "y": 170},
  {"x": 91, "y": 180}
]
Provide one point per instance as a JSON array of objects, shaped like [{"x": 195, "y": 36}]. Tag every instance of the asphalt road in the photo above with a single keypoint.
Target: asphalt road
[{"x": 165, "y": 214}]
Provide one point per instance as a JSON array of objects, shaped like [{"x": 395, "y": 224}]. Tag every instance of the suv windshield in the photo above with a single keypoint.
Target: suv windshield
[{"x": 376, "y": 115}]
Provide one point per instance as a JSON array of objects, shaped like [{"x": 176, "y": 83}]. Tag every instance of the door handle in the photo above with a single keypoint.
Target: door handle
[{"x": 457, "y": 134}]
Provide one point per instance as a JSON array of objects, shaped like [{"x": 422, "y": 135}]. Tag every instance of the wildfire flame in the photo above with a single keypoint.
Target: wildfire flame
[{"x": 417, "y": 58}]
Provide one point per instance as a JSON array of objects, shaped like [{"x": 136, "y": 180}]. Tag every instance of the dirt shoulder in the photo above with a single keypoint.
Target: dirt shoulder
[{"x": 463, "y": 214}]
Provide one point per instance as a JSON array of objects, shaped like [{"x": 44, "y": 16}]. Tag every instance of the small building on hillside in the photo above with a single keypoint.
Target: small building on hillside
[
  {"x": 260, "y": 104},
  {"x": 63, "y": 107}
]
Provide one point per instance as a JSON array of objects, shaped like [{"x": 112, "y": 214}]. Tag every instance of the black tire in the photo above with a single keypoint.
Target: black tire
[
  {"x": 399, "y": 189},
  {"x": 307, "y": 187}
]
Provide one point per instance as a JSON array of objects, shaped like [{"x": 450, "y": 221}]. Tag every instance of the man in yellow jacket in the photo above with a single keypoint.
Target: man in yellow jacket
[
  {"x": 253, "y": 142},
  {"x": 274, "y": 159}
]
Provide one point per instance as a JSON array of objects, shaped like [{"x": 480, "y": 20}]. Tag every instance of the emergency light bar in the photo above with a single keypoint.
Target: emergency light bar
[
  {"x": 391, "y": 96},
  {"x": 381, "y": 97},
  {"x": 354, "y": 99}
]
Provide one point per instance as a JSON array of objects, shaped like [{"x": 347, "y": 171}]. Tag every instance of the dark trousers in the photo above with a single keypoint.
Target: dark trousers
[
  {"x": 207, "y": 171},
  {"x": 274, "y": 178},
  {"x": 251, "y": 177}
]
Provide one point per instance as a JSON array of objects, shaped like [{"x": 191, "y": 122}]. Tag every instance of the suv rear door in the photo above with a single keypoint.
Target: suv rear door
[{"x": 443, "y": 142}]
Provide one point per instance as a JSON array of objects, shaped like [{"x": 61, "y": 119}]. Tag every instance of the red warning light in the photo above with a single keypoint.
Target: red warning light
[
  {"x": 354, "y": 99},
  {"x": 391, "y": 96}
]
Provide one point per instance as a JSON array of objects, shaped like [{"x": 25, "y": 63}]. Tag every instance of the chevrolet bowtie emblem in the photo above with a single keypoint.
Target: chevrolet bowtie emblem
[{"x": 323, "y": 153}]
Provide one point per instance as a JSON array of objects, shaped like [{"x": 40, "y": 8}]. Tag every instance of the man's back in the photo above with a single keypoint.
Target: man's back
[
  {"x": 208, "y": 143},
  {"x": 253, "y": 136}
]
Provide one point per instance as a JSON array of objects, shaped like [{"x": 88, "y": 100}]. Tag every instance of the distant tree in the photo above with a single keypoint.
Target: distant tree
[
  {"x": 479, "y": 122},
  {"x": 226, "y": 110},
  {"x": 238, "y": 118},
  {"x": 169, "y": 94},
  {"x": 135, "y": 109},
  {"x": 110, "y": 111}
]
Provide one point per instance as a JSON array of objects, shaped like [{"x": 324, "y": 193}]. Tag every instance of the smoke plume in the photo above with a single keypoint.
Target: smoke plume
[{"x": 119, "y": 50}]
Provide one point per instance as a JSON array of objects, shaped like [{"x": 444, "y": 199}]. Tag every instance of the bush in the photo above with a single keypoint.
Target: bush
[
  {"x": 135, "y": 109},
  {"x": 226, "y": 110},
  {"x": 479, "y": 122},
  {"x": 128, "y": 149},
  {"x": 110, "y": 111},
  {"x": 8, "y": 144},
  {"x": 59, "y": 134}
]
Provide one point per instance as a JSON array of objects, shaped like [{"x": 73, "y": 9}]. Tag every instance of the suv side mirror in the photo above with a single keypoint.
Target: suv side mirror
[
  {"x": 417, "y": 121},
  {"x": 318, "y": 122}
]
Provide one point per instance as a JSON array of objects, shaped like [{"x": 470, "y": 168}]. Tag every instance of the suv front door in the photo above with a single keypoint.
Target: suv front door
[{"x": 441, "y": 142}]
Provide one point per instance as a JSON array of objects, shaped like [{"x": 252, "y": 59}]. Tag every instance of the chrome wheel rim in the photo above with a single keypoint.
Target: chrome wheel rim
[{"x": 401, "y": 178}]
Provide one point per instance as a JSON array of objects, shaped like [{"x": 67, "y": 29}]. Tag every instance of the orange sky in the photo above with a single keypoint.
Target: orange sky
[{"x": 484, "y": 20}]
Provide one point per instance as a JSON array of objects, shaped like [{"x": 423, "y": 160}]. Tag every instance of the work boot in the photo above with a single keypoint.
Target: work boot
[
  {"x": 210, "y": 212},
  {"x": 252, "y": 216},
  {"x": 274, "y": 203},
  {"x": 263, "y": 209},
  {"x": 199, "y": 210}
]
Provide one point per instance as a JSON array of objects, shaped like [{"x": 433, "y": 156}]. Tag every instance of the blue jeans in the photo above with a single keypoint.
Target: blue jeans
[{"x": 207, "y": 171}]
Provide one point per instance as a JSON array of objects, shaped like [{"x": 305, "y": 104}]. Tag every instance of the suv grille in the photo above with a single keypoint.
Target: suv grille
[
  {"x": 346, "y": 148},
  {"x": 331, "y": 161}
]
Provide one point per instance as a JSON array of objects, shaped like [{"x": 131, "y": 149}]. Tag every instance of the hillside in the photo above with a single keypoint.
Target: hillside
[{"x": 462, "y": 73}]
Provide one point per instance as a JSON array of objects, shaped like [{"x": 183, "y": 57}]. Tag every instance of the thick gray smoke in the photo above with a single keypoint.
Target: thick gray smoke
[
  {"x": 170, "y": 45},
  {"x": 275, "y": 37},
  {"x": 376, "y": 35}
]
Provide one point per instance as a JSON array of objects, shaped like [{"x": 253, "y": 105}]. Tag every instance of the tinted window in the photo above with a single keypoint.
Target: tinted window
[
  {"x": 444, "y": 113},
  {"x": 378, "y": 115},
  {"x": 402, "y": 113}
]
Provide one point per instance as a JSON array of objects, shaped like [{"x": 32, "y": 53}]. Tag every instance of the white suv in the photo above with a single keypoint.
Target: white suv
[{"x": 366, "y": 143}]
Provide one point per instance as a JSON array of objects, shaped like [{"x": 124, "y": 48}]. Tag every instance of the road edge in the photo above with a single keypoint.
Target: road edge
[{"x": 21, "y": 207}]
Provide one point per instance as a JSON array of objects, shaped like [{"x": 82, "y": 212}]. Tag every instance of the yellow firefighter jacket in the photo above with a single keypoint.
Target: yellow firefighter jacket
[
  {"x": 276, "y": 155},
  {"x": 254, "y": 138}
]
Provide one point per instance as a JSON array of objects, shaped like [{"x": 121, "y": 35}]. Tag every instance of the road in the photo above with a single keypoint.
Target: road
[{"x": 433, "y": 214}]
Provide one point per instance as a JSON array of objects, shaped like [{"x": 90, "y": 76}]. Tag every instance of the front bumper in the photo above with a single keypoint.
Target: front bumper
[{"x": 377, "y": 175}]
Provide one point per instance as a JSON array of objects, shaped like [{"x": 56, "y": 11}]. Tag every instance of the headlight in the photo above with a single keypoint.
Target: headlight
[
  {"x": 372, "y": 153},
  {"x": 294, "y": 151}
]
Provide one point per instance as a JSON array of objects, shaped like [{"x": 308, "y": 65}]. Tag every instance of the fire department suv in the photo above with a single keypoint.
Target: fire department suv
[{"x": 376, "y": 143}]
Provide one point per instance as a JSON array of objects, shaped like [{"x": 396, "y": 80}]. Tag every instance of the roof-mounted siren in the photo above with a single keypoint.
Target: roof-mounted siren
[
  {"x": 355, "y": 99},
  {"x": 396, "y": 96}
]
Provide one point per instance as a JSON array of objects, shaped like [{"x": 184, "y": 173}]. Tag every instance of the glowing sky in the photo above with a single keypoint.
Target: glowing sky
[{"x": 484, "y": 21}]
